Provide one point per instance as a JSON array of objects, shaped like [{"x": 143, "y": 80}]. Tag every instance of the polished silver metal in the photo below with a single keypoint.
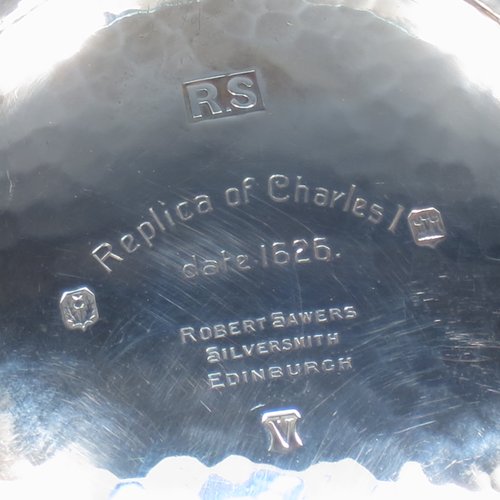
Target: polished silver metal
[{"x": 333, "y": 257}]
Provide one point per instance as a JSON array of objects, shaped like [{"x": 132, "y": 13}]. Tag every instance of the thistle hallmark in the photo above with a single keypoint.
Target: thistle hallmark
[{"x": 78, "y": 309}]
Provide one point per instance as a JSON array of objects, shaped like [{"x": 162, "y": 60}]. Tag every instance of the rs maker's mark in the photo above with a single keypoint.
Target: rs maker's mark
[{"x": 221, "y": 96}]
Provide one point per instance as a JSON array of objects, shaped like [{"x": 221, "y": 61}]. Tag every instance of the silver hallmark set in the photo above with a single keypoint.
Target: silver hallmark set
[{"x": 250, "y": 249}]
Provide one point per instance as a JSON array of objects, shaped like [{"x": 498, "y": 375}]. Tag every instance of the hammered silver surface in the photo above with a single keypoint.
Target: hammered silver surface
[{"x": 352, "y": 95}]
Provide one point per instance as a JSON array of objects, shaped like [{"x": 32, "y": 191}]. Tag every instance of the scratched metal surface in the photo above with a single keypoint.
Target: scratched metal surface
[{"x": 351, "y": 96}]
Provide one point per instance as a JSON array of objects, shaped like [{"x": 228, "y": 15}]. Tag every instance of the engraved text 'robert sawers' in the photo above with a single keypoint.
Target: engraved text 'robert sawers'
[{"x": 275, "y": 335}]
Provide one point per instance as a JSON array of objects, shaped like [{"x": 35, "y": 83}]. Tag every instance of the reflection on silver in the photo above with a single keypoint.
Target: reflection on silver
[
  {"x": 183, "y": 477},
  {"x": 427, "y": 227},
  {"x": 78, "y": 309},
  {"x": 38, "y": 34},
  {"x": 282, "y": 428}
]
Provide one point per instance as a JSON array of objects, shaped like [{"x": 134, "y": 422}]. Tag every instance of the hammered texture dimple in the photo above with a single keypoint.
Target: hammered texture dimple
[{"x": 117, "y": 88}]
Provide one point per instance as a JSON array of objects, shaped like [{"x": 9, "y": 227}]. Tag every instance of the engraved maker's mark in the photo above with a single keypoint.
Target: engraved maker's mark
[
  {"x": 282, "y": 428},
  {"x": 224, "y": 95}
]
